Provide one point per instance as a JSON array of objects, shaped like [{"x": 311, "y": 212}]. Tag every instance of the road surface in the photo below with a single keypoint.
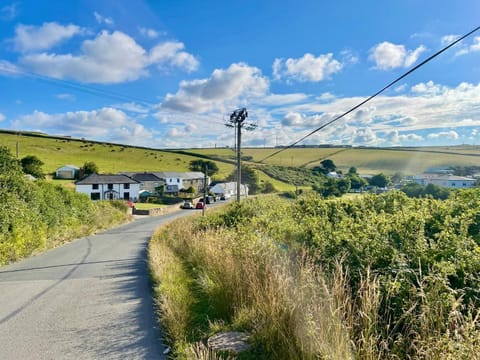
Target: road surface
[{"x": 89, "y": 299}]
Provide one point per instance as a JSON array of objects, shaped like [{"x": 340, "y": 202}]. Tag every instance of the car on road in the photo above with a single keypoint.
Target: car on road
[
  {"x": 200, "y": 205},
  {"x": 225, "y": 197},
  {"x": 187, "y": 205}
]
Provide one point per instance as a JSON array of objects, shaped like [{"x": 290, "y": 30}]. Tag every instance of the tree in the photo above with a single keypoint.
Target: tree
[
  {"x": 249, "y": 177},
  {"x": 325, "y": 167},
  {"x": 356, "y": 182},
  {"x": 352, "y": 171},
  {"x": 380, "y": 180},
  {"x": 201, "y": 165},
  {"x": 397, "y": 177},
  {"x": 89, "y": 167},
  {"x": 32, "y": 165},
  {"x": 333, "y": 187},
  {"x": 268, "y": 188}
]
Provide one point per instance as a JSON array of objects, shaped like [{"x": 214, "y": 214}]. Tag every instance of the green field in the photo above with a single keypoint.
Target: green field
[
  {"x": 111, "y": 158},
  {"x": 408, "y": 161}
]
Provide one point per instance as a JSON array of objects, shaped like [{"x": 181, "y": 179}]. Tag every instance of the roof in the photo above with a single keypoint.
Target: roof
[
  {"x": 443, "y": 177},
  {"x": 142, "y": 177},
  {"x": 191, "y": 175},
  {"x": 106, "y": 179},
  {"x": 69, "y": 167}
]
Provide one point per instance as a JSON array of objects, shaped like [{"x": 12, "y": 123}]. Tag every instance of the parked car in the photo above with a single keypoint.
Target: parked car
[
  {"x": 200, "y": 205},
  {"x": 225, "y": 197},
  {"x": 187, "y": 205},
  {"x": 210, "y": 199}
]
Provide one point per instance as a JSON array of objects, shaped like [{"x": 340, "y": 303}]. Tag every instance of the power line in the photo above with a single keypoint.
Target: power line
[
  {"x": 87, "y": 89},
  {"x": 374, "y": 95}
]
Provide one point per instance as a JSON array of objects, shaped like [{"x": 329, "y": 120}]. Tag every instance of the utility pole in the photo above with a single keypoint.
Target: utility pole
[
  {"x": 204, "y": 189},
  {"x": 237, "y": 121}
]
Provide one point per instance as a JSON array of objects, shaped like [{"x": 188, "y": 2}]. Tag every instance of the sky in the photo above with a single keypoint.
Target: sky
[{"x": 168, "y": 74}]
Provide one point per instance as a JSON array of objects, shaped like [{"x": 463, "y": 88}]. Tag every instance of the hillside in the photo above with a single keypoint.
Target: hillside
[{"x": 367, "y": 160}]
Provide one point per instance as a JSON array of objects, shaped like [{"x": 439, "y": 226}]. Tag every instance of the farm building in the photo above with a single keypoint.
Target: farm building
[
  {"x": 108, "y": 187},
  {"x": 448, "y": 181},
  {"x": 67, "y": 172}
]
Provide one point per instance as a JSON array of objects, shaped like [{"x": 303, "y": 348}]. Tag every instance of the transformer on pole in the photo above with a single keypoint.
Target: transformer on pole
[{"x": 237, "y": 121}]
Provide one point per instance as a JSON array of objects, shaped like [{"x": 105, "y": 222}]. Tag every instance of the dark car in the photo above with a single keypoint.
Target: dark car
[{"x": 200, "y": 205}]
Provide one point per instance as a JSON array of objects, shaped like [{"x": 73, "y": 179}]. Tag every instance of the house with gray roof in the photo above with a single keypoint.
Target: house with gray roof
[
  {"x": 148, "y": 180},
  {"x": 175, "y": 181},
  {"x": 109, "y": 187}
]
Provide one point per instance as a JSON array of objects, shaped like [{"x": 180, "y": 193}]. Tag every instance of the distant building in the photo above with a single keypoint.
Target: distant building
[
  {"x": 229, "y": 189},
  {"x": 447, "y": 181},
  {"x": 67, "y": 172},
  {"x": 108, "y": 187}
]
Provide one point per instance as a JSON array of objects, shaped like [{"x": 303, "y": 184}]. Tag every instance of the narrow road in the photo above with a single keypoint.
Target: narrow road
[{"x": 90, "y": 299}]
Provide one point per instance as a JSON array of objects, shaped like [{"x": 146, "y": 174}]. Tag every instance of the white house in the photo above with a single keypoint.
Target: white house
[
  {"x": 174, "y": 181},
  {"x": 448, "y": 181},
  {"x": 229, "y": 189},
  {"x": 108, "y": 187},
  {"x": 67, "y": 172}
]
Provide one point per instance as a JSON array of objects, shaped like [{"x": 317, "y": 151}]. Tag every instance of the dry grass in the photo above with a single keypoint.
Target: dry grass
[{"x": 219, "y": 279}]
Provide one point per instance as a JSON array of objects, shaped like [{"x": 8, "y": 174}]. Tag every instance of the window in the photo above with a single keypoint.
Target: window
[
  {"x": 110, "y": 186},
  {"x": 126, "y": 186},
  {"x": 178, "y": 180},
  {"x": 94, "y": 187},
  {"x": 126, "y": 196},
  {"x": 95, "y": 196}
]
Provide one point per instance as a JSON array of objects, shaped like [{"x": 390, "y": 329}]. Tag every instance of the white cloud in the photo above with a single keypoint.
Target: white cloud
[
  {"x": 429, "y": 89},
  {"x": 170, "y": 53},
  {"x": 33, "y": 38},
  {"x": 467, "y": 49},
  {"x": 68, "y": 97},
  {"x": 9, "y": 12},
  {"x": 306, "y": 68},
  {"x": 296, "y": 119},
  {"x": 2, "y": 117},
  {"x": 102, "y": 19},
  {"x": 453, "y": 135},
  {"x": 365, "y": 136},
  {"x": 108, "y": 58},
  {"x": 9, "y": 69},
  {"x": 394, "y": 138},
  {"x": 387, "y": 55},
  {"x": 447, "y": 39},
  {"x": 106, "y": 124},
  {"x": 223, "y": 88},
  {"x": 150, "y": 33}
]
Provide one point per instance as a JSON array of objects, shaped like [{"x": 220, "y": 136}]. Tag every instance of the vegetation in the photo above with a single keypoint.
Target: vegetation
[
  {"x": 89, "y": 167},
  {"x": 37, "y": 215},
  {"x": 33, "y": 166},
  {"x": 376, "y": 277},
  {"x": 432, "y": 190},
  {"x": 210, "y": 167}
]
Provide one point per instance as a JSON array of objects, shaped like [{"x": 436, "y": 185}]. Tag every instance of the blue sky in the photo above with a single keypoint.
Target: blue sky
[{"x": 166, "y": 74}]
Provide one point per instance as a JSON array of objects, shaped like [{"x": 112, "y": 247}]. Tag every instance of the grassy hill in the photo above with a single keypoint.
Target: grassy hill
[
  {"x": 367, "y": 160},
  {"x": 114, "y": 158}
]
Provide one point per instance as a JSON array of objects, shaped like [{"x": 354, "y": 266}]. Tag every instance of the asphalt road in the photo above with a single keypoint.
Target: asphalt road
[{"x": 89, "y": 299}]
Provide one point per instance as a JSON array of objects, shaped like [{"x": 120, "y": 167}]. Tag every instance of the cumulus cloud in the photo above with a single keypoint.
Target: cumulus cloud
[
  {"x": 429, "y": 89},
  {"x": 222, "y": 88},
  {"x": 33, "y": 38},
  {"x": 365, "y": 136},
  {"x": 395, "y": 138},
  {"x": 306, "y": 68},
  {"x": 447, "y": 39},
  {"x": 106, "y": 124},
  {"x": 387, "y": 55},
  {"x": 296, "y": 119},
  {"x": 2, "y": 117},
  {"x": 109, "y": 58},
  {"x": 452, "y": 135},
  {"x": 171, "y": 53},
  {"x": 102, "y": 19}
]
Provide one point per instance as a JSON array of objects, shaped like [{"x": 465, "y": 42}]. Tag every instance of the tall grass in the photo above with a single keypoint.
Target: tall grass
[{"x": 249, "y": 269}]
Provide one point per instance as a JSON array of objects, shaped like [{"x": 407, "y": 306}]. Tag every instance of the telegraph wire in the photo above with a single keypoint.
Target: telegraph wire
[
  {"x": 374, "y": 95},
  {"x": 85, "y": 88}
]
